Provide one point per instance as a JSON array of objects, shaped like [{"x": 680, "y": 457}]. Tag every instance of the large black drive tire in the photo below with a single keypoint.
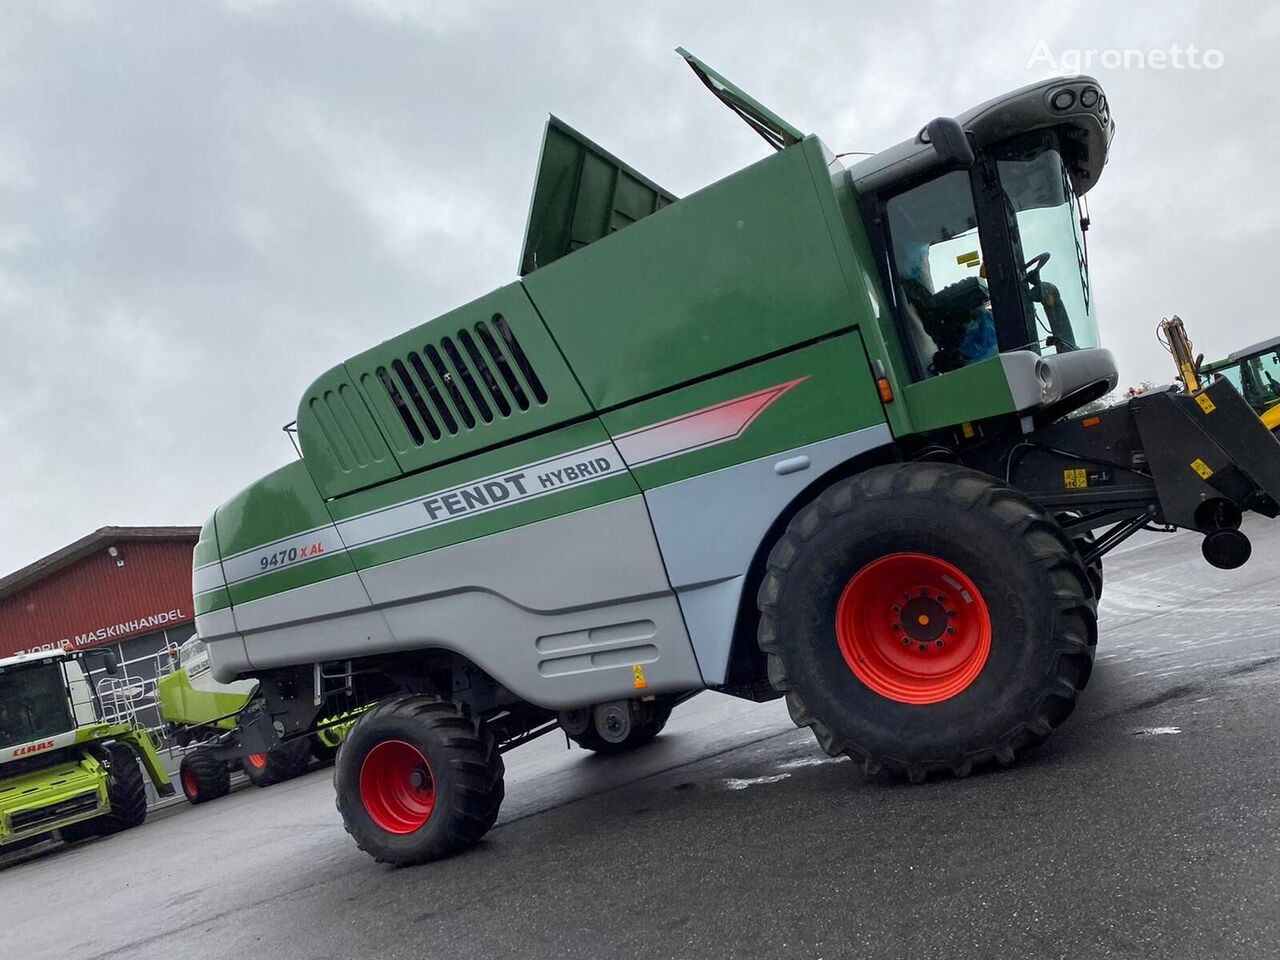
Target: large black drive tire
[
  {"x": 1084, "y": 544},
  {"x": 396, "y": 754},
  {"x": 126, "y": 788},
  {"x": 276, "y": 766},
  {"x": 1040, "y": 618},
  {"x": 645, "y": 721},
  {"x": 204, "y": 777}
]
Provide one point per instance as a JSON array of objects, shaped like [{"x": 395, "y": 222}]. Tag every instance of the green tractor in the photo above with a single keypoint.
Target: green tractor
[
  {"x": 804, "y": 433},
  {"x": 70, "y": 751},
  {"x": 199, "y": 712}
]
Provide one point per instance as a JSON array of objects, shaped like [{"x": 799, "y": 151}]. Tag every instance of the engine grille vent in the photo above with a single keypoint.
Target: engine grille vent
[{"x": 475, "y": 377}]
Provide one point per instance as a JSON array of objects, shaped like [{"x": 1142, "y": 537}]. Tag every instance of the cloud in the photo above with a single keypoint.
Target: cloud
[{"x": 202, "y": 207}]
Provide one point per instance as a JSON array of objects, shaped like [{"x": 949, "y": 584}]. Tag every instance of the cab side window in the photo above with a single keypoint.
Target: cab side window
[{"x": 944, "y": 305}]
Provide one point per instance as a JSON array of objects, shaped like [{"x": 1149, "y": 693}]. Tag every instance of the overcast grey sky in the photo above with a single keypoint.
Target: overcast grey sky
[{"x": 203, "y": 206}]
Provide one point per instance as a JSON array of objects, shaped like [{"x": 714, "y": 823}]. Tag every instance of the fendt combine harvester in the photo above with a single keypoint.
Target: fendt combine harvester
[{"x": 805, "y": 432}]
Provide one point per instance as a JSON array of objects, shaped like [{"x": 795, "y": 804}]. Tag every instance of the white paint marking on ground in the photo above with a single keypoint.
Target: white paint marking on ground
[
  {"x": 735, "y": 784},
  {"x": 808, "y": 762},
  {"x": 1156, "y": 731}
]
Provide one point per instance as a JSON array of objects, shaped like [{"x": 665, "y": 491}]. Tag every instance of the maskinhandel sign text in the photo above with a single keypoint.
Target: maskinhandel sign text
[{"x": 116, "y": 631}]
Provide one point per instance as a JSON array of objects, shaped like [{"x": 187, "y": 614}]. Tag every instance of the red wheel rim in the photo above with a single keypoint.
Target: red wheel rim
[
  {"x": 191, "y": 783},
  {"x": 913, "y": 628},
  {"x": 257, "y": 760},
  {"x": 397, "y": 786}
]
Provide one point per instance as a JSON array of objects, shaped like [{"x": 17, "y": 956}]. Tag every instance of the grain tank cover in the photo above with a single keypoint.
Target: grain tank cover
[
  {"x": 777, "y": 132},
  {"x": 581, "y": 193}
]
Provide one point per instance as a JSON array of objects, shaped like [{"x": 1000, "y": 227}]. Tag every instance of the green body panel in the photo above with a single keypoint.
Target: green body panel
[
  {"x": 465, "y": 392},
  {"x": 218, "y": 599},
  {"x": 853, "y": 250},
  {"x": 505, "y": 458},
  {"x": 970, "y": 393},
  {"x": 207, "y": 552},
  {"x": 282, "y": 504},
  {"x": 738, "y": 270},
  {"x": 835, "y": 395},
  {"x": 343, "y": 447},
  {"x": 180, "y": 702},
  {"x": 47, "y": 787},
  {"x": 581, "y": 193}
]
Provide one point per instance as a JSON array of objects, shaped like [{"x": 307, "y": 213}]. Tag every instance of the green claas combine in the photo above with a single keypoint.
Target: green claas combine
[
  {"x": 69, "y": 753},
  {"x": 805, "y": 433}
]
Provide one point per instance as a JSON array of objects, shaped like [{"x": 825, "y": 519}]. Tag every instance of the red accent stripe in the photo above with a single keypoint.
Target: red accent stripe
[{"x": 698, "y": 429}]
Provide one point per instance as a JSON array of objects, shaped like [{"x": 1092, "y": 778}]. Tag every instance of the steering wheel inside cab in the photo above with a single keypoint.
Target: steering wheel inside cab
[{"x": 1032, "y": 270}]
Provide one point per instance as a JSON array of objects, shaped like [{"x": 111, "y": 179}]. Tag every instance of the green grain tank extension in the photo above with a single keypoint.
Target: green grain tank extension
[{"x": 805, "y": 433}]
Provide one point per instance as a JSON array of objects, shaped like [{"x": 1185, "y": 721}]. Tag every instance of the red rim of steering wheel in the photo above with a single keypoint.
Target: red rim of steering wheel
[
  {"x": 257, "y": 760},
  {"x": 191, "y": 783},
  {"x": 913, "y": 628},
  {"x": 397, "y": 787}
]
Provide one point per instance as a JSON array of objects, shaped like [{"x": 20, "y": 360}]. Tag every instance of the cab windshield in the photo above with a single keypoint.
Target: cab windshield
[
  {"x": 1257, "y": 379},
  {"x": 1058, "y": 301},
  {"x": 33, "y": 703}
]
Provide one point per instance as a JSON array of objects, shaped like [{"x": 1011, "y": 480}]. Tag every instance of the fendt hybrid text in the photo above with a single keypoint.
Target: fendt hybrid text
[{"x": 805, "y": 433}]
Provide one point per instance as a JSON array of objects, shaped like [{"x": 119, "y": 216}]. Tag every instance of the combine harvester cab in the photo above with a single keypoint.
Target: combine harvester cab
[
  {"x": 69, "y": 752},
  {"x": 805, "y": 432}
]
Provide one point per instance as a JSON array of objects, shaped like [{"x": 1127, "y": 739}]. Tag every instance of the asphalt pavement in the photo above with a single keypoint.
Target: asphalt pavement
[{"x": 1148, "y": 826}]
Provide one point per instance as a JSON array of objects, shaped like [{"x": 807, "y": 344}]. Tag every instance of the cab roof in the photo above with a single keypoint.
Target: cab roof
[
  {"x": 18, "y": 658},
  {"x": 1076, "y": 105}
]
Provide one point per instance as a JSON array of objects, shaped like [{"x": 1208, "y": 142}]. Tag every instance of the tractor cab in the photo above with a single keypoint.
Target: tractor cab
[{"x": 1255, "y": 372}]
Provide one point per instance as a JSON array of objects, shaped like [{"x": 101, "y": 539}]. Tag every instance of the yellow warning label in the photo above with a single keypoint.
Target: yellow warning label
[
  {"x": 637, "y": 673},
  {"x": 1202, "y": 468},
  {"x": 1205, "y": 403},
  {"x": 967, "y": 429},
  {"x": 1076, "y": 479}
]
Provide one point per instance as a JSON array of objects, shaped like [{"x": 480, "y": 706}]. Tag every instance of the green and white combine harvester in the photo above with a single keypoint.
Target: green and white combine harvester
[
  {"x": 806, "y": 432},
  {"x": 199, "y": 711},
  {"x": 70, "y": 751}
]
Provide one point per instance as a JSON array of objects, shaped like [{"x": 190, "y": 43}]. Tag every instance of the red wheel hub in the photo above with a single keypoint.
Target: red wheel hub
[
  {"x": 257, "y": 760},
  {"x": 913, "y": 628},
  {"x": 191, "y": 783},
  {"x": 397, "y": 787}
]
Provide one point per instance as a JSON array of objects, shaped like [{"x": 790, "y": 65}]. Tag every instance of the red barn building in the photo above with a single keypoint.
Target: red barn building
[{"x": 128, "y": 588}]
